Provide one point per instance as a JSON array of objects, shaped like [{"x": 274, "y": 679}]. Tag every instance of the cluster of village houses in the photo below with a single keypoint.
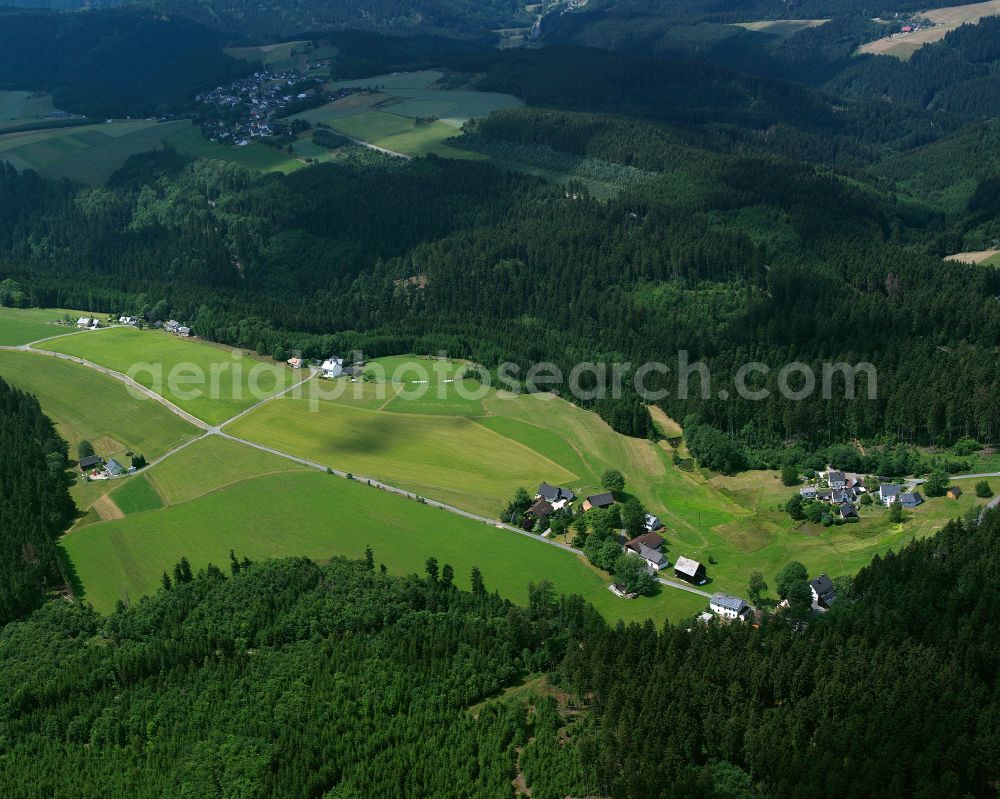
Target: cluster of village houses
[
  {"x": 249, "y": 108},
  {"x": 649, "y": 547},
  {"x": 843, "y": 491}
]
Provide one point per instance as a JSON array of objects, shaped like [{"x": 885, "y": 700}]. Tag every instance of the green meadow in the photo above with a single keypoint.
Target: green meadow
[
  {"x": 319, "y": 516},
  {"x": 136, "y": 495},
  {"x": 423, "y": 139},
  {"x": 24, "y": 325},
  {"x": 212, "y": 383},
  {"x": 211, "y": 464},
  {"x": 450, "y": 458},
  {"x": 88, "y": 405},
  {"x": 389, "y": 116}
]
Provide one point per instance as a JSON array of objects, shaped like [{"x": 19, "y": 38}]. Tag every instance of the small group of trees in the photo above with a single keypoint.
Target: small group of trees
[
  {"x": 443, "y": 577},
  {"x": 818, "y": 512}
]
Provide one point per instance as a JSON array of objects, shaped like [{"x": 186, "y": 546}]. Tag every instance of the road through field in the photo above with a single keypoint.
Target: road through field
[{"x": 217, "y": 430}]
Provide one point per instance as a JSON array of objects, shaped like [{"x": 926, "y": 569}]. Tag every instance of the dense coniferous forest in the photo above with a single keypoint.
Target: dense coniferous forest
[
  {"x": 112, "y": 63},
  {"x": 35, "y": 506},
  {"x": 291, "y": 679},
  {"x": 723, "y": 247}
]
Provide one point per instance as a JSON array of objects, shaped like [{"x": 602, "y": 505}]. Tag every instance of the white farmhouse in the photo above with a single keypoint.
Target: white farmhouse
[
  {"x": 729, "y": 607},
  {"x": 332, "y": 367}
]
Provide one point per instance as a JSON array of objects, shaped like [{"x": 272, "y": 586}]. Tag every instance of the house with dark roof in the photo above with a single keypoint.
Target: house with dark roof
[
  {"x": 836, "y": 479},
  {"x": 690, "y": 570},
  {"x": 89, "y": 462},
  {"x": 823, "y": 594},
  {"x": 171, "y": 326},
  {"x": 729, "y": 607},
  {"x": 842, "y": 495},
  {"x": 911, "y": 499},
  {"x": 888, "y": 493},
  {"x": 651, "y": 540},
  {"x": 114, "y": 468},
  {"x": 655, "y": 559},
  {"x": 605, "y": 500},
  {"x": 540, "y": 510},
  {"x": 954, "y": 492},
  {"x": 847, "y": 511},
  {"x": 555, "y": 494}
]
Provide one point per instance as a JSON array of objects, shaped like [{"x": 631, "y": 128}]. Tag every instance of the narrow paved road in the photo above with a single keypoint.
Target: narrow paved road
[{"x": 210, "y": 430}]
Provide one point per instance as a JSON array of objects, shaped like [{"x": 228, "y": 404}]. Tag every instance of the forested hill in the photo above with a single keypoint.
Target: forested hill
[
  {"x": 112, "y": 62},
  {"x": 464, "y": 19},
  {"x": 35, "y": 506},
  {"x": 291, "y": 679}
]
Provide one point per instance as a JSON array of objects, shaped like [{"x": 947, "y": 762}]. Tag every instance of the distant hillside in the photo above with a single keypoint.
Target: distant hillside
[
  {"x": 113, "y": 62},
  {"x": 466, "y": 19}
]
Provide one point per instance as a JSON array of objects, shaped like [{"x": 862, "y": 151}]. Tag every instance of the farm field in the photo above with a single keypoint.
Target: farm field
[
  {"x": 388, "y": 116},
  {"x": 450, "y": 458},
  {"x": 319, "y": 516},
  {"x": 211, "y": 464},
  {"x": 24, "y": 325},
  {"x": 87, "y": 153},
  {"x": 85, "y": 404},
  {"x": 983, "y": 257},
  {"x": 183, "y": 371},
  {"x": 945, "y": 20},
  {"x": 781, "y": 27},
  {"x": 136, "y": 495}
]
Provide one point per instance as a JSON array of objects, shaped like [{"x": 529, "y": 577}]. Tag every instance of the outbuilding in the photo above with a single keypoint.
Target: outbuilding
[{"x": 690, "y": 570}]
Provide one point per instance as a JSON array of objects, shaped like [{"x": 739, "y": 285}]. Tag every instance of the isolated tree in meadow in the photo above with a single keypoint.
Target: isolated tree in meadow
[
  {"x": 792, "y": 574},
  {"x": 794, "y": 508},
  {"x": 431, "y": 567},
  {"x": 896, "y": 512},
  {"x": 613, "y": 481},
  {"x": 138, "y": 461},
  {"x": 789, "y": 475},
  {"x": 84, "y": 449},
  {"x": 633, "y": 517},
  {"x": 757, "y": 586},
  {"x": 478, "y": 584},
  {"x": 866, "y": 499},
  {"x": 983, "y": 490},
  {"x": 937, "y": 483}
]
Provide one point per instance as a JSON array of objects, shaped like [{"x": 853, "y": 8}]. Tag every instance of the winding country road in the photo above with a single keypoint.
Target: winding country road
[{"x": 217, "y": 430}]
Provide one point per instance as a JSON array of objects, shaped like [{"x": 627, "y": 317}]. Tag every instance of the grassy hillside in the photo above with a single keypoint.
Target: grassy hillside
[
  {"x": 23, "y": 325},
  {"x": 87, "y": 405},
  {"x": 212, "y": 383}
]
